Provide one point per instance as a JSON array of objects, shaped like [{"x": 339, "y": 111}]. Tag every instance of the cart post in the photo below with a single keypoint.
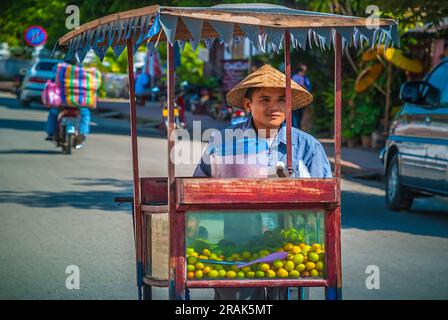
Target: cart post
[
  {"x": 333, "y": 220},
  {"x": 176, "y": 219},
  {"x": 135, "y": 170},
  {"x": 288, "y": 100}
]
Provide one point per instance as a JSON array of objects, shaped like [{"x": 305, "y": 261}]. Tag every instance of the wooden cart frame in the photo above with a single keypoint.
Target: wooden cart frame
[{"x": 177, "y": 195}]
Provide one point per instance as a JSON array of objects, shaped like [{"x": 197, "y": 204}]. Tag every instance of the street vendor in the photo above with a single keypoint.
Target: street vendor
[{"x": 262, "y": 95}]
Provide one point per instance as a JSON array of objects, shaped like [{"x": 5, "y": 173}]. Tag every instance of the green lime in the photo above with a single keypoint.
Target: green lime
[
  {"x": 213, "y": 274},
  {"x": 190, "y": 268}
]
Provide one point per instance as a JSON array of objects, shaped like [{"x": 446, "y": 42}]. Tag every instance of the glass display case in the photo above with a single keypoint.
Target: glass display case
[{"x": 220, "y": 245}]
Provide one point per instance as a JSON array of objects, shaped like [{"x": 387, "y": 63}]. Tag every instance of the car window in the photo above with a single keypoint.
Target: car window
[
  {"x": 444, "y": 96},
  {"x": 45, "y": 66},
  {"x": 439, "y": 77}
]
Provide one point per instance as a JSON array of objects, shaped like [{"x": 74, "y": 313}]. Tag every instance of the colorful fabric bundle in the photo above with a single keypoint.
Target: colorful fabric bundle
[
  {"x": 51, "y": 95},
  {"x": 78, "y": 85}
]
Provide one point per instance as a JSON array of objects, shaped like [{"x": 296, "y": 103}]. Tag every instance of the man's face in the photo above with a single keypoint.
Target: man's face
[{"x": 268, "y": 108}]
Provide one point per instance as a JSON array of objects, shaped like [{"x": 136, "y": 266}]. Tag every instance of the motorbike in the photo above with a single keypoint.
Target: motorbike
[
  {"x": 179, "y": 113},
  {"x": 67, "y": 132},
  {"x": 191, "y": 96}
]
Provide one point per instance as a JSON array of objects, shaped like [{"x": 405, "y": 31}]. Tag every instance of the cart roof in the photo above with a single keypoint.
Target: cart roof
[{"x": 261, "y": 23}]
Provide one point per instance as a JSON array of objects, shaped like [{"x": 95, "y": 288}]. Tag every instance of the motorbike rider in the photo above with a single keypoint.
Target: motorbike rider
[{"x": 84, "y": 123}]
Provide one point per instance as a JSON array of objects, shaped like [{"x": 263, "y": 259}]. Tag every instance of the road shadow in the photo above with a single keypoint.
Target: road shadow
[
  {"x": 26, "y": 125},
  {"x": 428, "y": 217},
  {"x": 13, "y": 103},
  {"x": 82, "y": 200},
  {"x": 122, "y": 128},
  {"x": 89, "y": 199},
  {"x": 24, "y": 151},
  {"x": 124, "y": 184}
]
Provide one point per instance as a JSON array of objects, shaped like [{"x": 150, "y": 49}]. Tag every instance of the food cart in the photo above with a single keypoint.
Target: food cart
[{"x": 166, "y": 209}]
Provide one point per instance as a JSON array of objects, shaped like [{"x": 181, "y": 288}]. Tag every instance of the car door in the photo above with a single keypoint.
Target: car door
[
  {"x": 411, "y": 136},
  {"x": 437, "y": 160}
]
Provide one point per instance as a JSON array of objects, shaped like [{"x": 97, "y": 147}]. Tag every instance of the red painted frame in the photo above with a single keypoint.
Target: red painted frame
[{"x": 182, "y": 194}]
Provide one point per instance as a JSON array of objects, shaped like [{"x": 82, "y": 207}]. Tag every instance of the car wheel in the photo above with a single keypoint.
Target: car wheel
[{"x": 397, "y": 196}]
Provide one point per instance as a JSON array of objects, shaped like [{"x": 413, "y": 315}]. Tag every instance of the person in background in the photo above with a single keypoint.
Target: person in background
[
  {"x": 142, "y": 86},
  {"x": 300, "y": 78}
]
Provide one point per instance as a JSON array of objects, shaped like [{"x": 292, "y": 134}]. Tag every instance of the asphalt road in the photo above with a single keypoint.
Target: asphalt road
[{"x": 58, "y": 210}]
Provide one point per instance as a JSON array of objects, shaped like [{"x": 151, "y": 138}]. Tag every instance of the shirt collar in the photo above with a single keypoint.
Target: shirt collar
[{"x": 281, "y": 135}]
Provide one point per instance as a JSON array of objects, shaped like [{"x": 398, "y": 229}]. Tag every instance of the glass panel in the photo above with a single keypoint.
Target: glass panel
[
  {"x": 157, "y": 245},
  {"x": 230, "y": 239},
  {"x": 439, "y": 76}
]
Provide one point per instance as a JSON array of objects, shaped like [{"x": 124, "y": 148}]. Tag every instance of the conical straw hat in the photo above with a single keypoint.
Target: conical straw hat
[{"x": 268, "y": 77}]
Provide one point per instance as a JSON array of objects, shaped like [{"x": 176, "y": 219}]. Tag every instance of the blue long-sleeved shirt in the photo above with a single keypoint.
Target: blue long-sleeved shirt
[{"x": 307, "y": 153}]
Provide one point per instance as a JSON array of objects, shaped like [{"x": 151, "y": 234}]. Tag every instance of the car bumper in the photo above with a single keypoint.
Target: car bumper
[{"x": 31, "y": 94}]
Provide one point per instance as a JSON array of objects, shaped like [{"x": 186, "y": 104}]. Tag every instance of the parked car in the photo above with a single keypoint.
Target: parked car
[
  {"x": 415, "y": 156},
  {"x": 35, "y": 78}
]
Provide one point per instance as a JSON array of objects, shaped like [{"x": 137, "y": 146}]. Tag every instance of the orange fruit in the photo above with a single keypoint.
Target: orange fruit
[
  {"x": 206, "y": 270},
  {"x": 282, "y": 273},
  {"x": 296, "y": 249},
  {"x": 270, "y": 274},
  {"x": 264, "y": 267},
  {"x": 200, "y": 266},
  {"x": 310, "y": 266}
]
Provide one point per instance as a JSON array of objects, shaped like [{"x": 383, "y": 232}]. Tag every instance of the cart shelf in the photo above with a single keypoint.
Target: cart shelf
[
  {"x": 257, "y": 283},
  {"x": 154, "y": 208},
  {"x": 210, "y": 193},
  {"x": 155, "y": 282},
  {"x": 163, "y": 283}
]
